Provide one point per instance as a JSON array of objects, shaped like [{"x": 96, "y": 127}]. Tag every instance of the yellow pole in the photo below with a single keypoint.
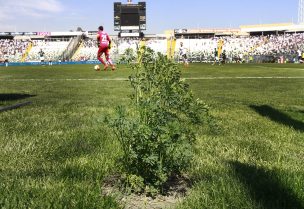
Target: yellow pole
[
  {"x": 171, "y": 44},
  {"x": 220, "y": 45},
  {"x": 27, "y": 51}
]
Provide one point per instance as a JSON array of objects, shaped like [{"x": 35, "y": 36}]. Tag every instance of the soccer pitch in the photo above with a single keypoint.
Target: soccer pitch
[{"x": 56, "y": 151}]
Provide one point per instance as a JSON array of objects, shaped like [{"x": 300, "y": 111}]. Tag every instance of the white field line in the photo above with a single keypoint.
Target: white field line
[
  {"x": 249, "y": 77},
  {"x": 67, "y": 79},
  {"x": 278, "y": 68},
  {"x": 125, "y": 79}
]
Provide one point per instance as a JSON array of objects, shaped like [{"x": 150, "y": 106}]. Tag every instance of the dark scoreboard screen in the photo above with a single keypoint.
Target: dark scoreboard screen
[
  {"x": 129, "y": 19},
  {"x": 129, "y": 16}
]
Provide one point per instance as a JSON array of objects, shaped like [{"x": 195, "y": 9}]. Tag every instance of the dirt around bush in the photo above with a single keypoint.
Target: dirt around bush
[{"x": 174, "y": 192}]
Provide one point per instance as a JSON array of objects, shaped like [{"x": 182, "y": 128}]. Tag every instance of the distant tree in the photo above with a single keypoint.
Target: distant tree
[{"x": 79, "y": 29}]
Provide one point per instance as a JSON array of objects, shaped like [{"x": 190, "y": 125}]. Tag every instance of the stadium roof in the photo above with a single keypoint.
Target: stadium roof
[{"x": 286, "y": 27}]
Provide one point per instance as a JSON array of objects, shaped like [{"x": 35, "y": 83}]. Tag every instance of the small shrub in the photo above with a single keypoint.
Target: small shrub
[{"x": 157, "y": 130}]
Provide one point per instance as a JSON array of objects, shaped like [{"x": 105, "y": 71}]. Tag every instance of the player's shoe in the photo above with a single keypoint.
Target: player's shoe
[
  {"x": 105, "y": 67},
  {"x": 113, "y": 67}
]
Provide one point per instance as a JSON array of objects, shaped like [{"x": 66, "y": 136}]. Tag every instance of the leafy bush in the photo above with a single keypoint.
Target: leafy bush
[{"x": 157, "y": 131}]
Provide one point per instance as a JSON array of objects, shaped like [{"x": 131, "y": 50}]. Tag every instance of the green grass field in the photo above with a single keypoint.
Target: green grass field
[{"x": 56, "y": 152}]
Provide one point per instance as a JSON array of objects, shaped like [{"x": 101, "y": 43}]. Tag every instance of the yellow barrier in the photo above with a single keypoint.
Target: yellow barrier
[
  {"x": 171, "y": 44},
  {"x": 141, "y": 48},
  {"x": 24, "y": 56},
  {"x": 220, "y": 45}
]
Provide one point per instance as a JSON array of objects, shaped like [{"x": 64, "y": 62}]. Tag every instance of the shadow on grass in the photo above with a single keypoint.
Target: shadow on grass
[
  {"x": 277, "y": 116},
  {"x": 12, "y": 97},
  {"x": 265, "y": 188}
]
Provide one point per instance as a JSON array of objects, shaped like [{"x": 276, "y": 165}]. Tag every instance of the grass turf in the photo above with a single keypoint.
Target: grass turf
[{"x": 55, "y": 152}]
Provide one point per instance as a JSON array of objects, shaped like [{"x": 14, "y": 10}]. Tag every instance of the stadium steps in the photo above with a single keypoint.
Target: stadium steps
[
  {"x": 72, "y": 48},
  {"x": 77, "y": 51}
]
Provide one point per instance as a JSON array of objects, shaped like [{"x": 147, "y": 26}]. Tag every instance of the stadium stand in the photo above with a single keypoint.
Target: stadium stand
[
  {"x": 238, "y": 48},
  {"x": 158, "y": 45},
  {"x": 261, "y": 48},
  {"x": 86, "y": 51},
  {"x": 13, "y": 49},
  {"x": 127, "y": 43},
  {"x": 53, "y": 50}
]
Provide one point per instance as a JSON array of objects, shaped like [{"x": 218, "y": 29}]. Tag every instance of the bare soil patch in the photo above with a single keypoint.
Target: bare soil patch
[{"x": 174, "y": 192}]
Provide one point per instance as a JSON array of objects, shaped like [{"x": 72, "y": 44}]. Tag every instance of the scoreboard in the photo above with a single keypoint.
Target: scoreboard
[{"x": 130, "y": 17}]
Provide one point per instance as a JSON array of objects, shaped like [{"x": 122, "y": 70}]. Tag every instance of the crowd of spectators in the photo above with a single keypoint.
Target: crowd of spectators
[
  {"x": 87, "y": 51},
  {"x": 52, "y": 50},
  {"x": 238, "y": 49},
  {"x": 271, "y": 48},
  {"x": 12, "y": 50},
  {"x": 247, "y": 48},
  {"x": 89, "y": 47}
]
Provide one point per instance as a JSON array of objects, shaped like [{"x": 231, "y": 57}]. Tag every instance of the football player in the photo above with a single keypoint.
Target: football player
[
  {"x": 104, "y": 45},
  {"x": 183, "y": 54}
]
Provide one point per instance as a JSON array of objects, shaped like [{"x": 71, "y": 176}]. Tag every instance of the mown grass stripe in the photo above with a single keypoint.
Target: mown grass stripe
[{"x": 125, "y": 79}]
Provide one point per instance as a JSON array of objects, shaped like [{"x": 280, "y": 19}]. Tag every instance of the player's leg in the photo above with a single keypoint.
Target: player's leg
[
  {"x": 186, "y": 61},
  {"x": 104, "y": 50},
  {"x": 42, "y": 61},
  {"x": 99, "y": 54},
  {"x": 107, "y": 54},
  {"x": 214, "y": 60}
]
